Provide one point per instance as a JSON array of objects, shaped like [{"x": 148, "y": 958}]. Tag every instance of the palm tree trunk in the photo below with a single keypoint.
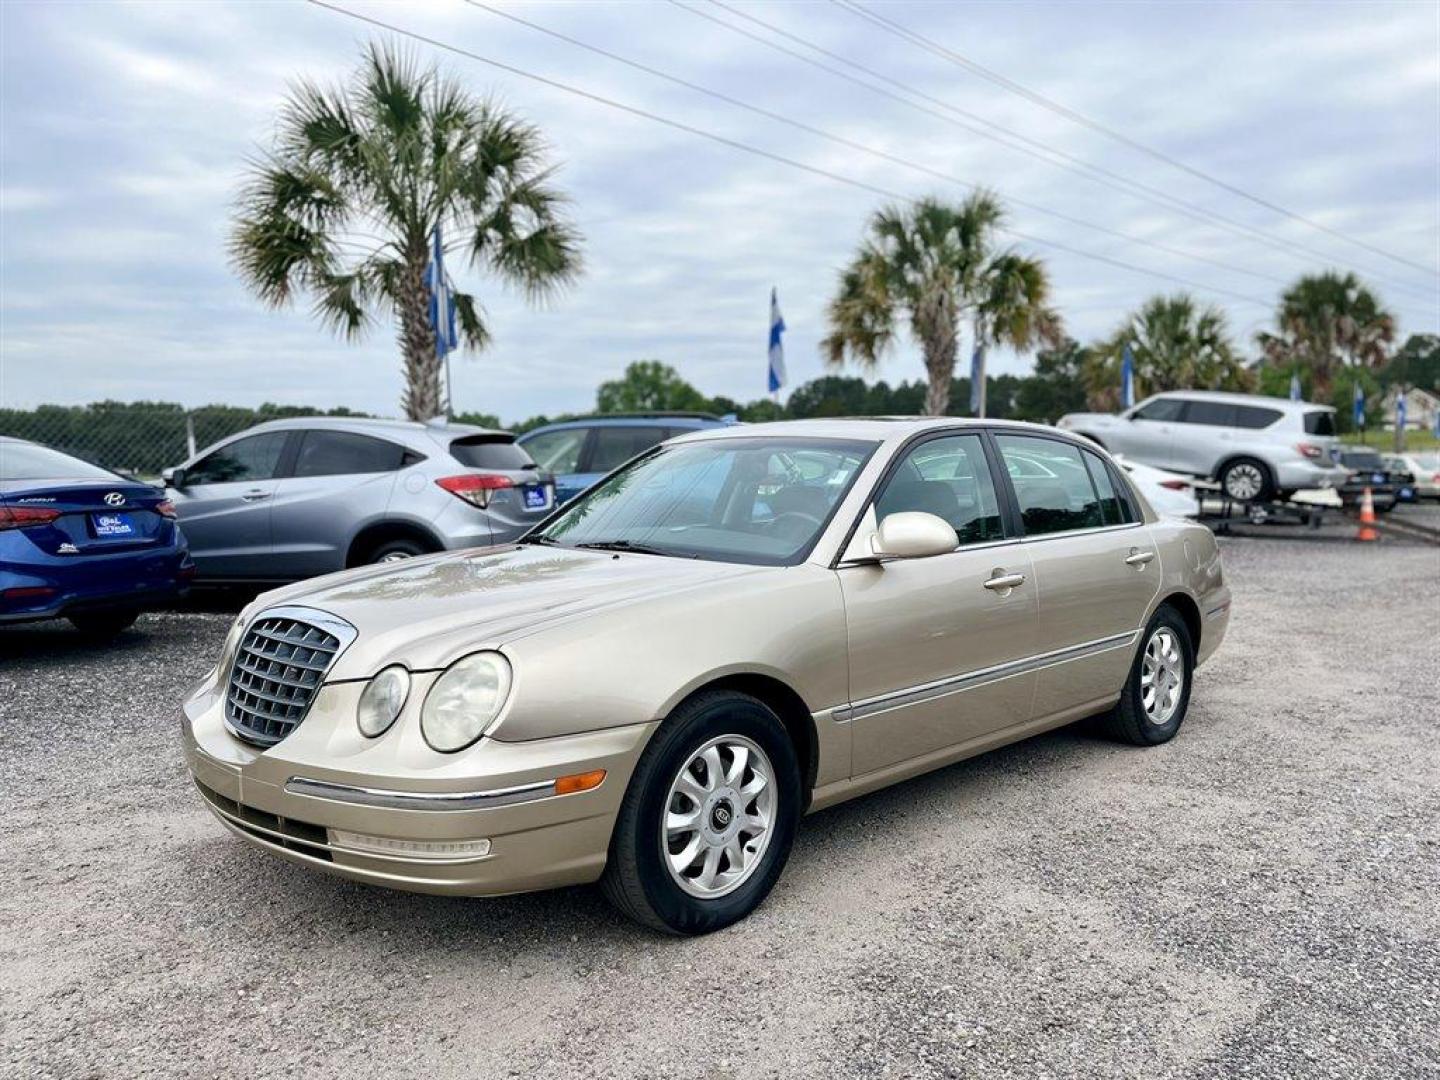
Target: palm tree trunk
[
  {"x": 423, "y": 397},
  {"x": 938, "y": 342}
]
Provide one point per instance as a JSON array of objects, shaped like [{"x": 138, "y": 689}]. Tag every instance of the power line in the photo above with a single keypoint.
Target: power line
[
  {"x": 735, "y": 144},
  {"x": 904, "y": 32},
  {"x": 1031, "y": 147},
  {"x": 863, "y": 148}
]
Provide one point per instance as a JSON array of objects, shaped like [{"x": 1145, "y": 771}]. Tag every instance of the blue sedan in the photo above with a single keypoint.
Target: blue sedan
[{"x": 81, "y": 543}]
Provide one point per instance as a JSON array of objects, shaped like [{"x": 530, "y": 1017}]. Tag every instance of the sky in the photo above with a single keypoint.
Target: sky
[{"x": 125, "y": 131}]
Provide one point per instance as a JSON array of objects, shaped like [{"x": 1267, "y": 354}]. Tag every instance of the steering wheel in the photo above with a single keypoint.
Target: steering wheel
[{"x": 800, "y": 524}]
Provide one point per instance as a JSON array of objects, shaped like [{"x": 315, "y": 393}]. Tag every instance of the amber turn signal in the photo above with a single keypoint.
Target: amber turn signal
[{"x": 569, "y": 785}]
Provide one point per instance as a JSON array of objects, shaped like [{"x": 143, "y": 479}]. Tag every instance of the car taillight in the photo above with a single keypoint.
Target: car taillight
[
  {"x": 165, "y": 509},
  {"x": 1175, "y": 485},
  {"x": 475, "y": 488},
  {"x": 23, "y": 517},
  {"x": 1310, "y": 450}
]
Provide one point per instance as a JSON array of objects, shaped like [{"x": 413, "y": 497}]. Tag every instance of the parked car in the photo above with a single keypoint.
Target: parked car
[
  {"x": 1366, "y": 469},
  {"x": 1424, "y": 468},
  {"x": 1170, "y": 494},
  {"x": 293, "y": 498},
  {"x": 579, "y": 452},
  {"x": 1403, "y": 476},
  {"x": 82, "y": 543},
  {"x": 741, "y": 625},
  {"x": 1258, "y": 448}
]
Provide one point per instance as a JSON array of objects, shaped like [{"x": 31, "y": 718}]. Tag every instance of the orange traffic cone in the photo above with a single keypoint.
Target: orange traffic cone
[{"x": 1367, "y": 519}]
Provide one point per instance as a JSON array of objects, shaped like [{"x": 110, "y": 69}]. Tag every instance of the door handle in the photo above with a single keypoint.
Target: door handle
[
  {"x": 1005, "y": 582},
  {"x": 1138, "y": 558},
  {"x": 255, "y": 496}
]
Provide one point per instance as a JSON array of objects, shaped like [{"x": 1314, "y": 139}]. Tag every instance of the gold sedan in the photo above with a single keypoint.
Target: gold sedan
[{"x": 738, "y": 627}]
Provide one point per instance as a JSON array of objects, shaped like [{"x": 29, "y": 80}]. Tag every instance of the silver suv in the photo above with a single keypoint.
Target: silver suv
[
  {"x": 292, "y": 498},
  {"x": 1257, "y": 447}
]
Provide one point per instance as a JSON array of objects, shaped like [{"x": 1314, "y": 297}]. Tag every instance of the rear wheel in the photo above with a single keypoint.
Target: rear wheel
[
  {"x": 397, "y": 550},
  {"x": 709, "y": 818},
  {"x": 103, "y": 625},
  {"x": 1157, "y": 695},
  {"x": 1246, "y": 480}
]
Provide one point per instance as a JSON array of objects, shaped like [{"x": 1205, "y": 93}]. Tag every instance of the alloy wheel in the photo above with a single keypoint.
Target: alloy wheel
[
  {"x": 1162, "y": 676},
  {"x": 719, "y": 816},
  {"x": 1244, "y": 481}
]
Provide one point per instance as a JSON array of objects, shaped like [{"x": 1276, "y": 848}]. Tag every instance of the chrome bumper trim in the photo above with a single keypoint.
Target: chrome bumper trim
[{"x": 418, "y": 800}]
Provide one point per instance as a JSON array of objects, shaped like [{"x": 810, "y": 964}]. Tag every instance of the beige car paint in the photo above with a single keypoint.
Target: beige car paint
[{"x": 604, "y": 645}]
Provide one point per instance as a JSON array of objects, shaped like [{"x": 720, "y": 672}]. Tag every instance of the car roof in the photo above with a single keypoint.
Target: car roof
[
  {"x": 687, "y": 420},
  {"x": 867, "y": 428},
  {"x": 374, "y": 424},
  {"x": 1283, "y": 404}
]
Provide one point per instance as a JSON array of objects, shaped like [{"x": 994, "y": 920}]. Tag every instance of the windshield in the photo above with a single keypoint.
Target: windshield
[
  {"x": 749, "y": 500},
  {"x": 26, "y": 461}
]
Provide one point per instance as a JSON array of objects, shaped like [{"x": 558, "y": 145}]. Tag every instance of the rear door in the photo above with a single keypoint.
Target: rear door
[
  {"x": 224, "y": 506},
  {"x": 938, "y": 646},
  {"x": 339, "y": 482},
  {"x": 1095, "y": 569}
]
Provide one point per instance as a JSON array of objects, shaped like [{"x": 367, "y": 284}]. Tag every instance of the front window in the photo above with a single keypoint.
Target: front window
[
  {"x": 950, "y": 478},
  {"x": 557, "y": 451},
  {"x": 255, "y": 457},
  {"x": 743, "y": 500},
  {"x": 1164, "y": 409}
]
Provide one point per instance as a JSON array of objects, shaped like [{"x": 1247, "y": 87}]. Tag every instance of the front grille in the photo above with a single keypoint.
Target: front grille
[{"x": 278, "y": 668}]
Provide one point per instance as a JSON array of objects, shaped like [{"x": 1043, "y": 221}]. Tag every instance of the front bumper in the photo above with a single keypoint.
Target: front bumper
[{"x": 392, "y": 812}]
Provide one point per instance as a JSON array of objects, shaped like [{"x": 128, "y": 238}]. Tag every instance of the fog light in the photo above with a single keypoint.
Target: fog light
[{"x": 439, "y": 850}]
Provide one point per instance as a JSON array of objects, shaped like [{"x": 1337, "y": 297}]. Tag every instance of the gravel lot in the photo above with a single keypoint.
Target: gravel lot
[{"x": 1258, "y": 898}]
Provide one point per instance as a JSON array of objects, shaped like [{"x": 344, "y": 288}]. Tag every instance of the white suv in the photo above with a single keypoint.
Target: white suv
[{"x": 1256, "y": 447}]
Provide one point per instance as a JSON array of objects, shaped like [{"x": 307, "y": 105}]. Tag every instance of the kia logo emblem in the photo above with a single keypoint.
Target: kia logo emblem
[{"x": 115, "y": 498}]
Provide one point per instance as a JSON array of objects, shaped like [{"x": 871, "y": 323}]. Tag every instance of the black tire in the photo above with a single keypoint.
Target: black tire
[
  {"x": 394, "y": 550},
  {"x": 1128, "y": 721},
  {"x": 636, "y": 879},
  {"x": 1241, "y": 473},
  {"x": 103, "y": 625}
]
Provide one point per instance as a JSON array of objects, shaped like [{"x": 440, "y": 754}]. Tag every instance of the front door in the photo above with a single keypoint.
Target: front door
[
  {"x": 225, "y": 503},
  {"x": 1149, "y": 434},
  {"x": 938, "y": 645}
]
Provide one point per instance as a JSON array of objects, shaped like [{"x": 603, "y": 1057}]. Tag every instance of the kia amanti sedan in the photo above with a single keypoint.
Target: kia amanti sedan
[{"x": 737, "y": 627}]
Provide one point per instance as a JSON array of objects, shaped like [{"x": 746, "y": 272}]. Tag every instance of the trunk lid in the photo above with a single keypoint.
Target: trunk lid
[{"x": 92, "y": 516}]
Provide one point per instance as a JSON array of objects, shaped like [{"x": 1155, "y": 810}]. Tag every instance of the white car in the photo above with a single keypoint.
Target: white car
[
  {"x": 1258, "y": 448},
  {"x": 1170, "y": 494},
  {"x": 1426, "y": 470}
]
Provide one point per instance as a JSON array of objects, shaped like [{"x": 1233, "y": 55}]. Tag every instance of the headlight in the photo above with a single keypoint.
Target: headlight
[
  {"x": 381, "y": 701},
  {"x": 465, "y": 701}
]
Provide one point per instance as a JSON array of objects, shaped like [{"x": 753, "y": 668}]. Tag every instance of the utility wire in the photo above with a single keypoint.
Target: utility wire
[
  {"x": 1038, "y": 150},
  {"x": 865, "y": 149},
  {"x": 931, "y": 46},
  {"x": 747, "y": 148}
]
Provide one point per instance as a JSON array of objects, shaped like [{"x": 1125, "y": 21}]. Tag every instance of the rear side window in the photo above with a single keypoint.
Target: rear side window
[
  {"x": 1255, "y": 416},
  {"x": 1320, "y": 422},
  {"x": 557, "y": 451},
  {"x": 616, "y": 445},
  {"x": 1113, "y": 509},
  {"x": 1160, "y": 409},
  {"x": 1052, "y": 484},
  {"x": 490, "y": 452},
  {"x": 340, "y": 453},
  {"x": 255, "y": 457}
]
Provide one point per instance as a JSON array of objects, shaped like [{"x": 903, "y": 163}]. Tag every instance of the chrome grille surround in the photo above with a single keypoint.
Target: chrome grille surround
[{"x": 278, "y": 668}]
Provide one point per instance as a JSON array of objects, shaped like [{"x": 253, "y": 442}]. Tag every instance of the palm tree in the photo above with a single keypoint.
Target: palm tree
[
  {"x": 1325, "y": 321},
  {"x": 346, "y": 205},
  {"x": 1176, "y": 343},
  {"x": 936, "y": 263}
]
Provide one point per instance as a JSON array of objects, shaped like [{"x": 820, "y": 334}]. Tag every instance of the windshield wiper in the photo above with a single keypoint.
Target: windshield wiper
[
  {"x": 548, "y": 540},
  {"x": 630, "y": 546}
]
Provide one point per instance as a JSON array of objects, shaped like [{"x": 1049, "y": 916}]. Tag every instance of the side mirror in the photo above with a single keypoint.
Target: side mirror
[
  {"x": 174, "y": 478},
  {"x": 913, "y": 535}
]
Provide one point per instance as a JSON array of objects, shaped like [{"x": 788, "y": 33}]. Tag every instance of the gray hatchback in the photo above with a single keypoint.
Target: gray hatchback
[{"x": 292, "y": 498}]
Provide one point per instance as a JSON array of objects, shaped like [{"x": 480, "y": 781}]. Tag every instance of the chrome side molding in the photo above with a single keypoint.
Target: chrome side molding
[{"x": 418, "y": 800}]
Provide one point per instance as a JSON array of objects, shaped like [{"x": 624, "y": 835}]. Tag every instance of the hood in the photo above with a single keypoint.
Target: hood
[{"x": 427, "y": 612}]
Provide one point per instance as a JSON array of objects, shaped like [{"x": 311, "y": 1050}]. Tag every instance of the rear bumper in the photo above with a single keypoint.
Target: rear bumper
[
  {"x": 38, "y": 586},
  {"x": 1306, "y": 475}
]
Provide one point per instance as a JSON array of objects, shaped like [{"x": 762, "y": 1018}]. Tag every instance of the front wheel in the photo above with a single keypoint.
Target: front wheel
[
  {"x": 709, "y": 818},
  {"x": 1156, "y": 696}
]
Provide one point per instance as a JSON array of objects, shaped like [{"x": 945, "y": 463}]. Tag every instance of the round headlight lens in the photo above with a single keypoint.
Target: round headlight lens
[
  {"x": 381, "y": 701},
  {"x": 464, "y": 701}
]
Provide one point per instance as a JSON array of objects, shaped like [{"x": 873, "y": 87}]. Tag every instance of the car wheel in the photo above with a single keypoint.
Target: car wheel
[
  {"x": 1156, "y": 696},
  {"x": 1246, "y": 480},
  {"x": 103, "y": 625},
  {"x": 396, "y": 551},
  {"x": 708, "y": 819}
]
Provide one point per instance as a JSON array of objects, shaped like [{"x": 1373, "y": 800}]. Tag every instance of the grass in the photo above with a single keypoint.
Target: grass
[{"x": 1384, "y": 441}]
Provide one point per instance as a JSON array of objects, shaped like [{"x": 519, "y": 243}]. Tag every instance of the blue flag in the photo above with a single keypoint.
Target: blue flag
[
  {"x": 1127, "y": 378},
  {"x": 776, "y": 377},
  {"x": 442, "y": 300},
  {"x": 1437, "y": 423},
  {"x": 1401, "y": 407},
  {"x": 977, "y": 379},
  {"x": 1295, "y": 387},
  {"x": 1359, "y": 405}
]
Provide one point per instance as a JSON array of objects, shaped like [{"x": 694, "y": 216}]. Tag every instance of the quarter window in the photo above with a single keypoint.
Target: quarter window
[
  {"x": 1211, "y": 413},
  {"x": 338, "y": 453},
  {"x": 950, "y": 478},
  {"x": 256, "y": 457},
  {"x": 1320, "y": 423},
  {"x": 1052, "y": 484},
  {"x": 1255, "y": 416}
]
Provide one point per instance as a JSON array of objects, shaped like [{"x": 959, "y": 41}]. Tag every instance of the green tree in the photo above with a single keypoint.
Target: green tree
[
  {"x": 1324, "y": 322},
  {"x": 649, "y": 386},
  {"x": 1416, "y": 363},
  {"x": 935, "y": 264},
  {"x": 1176, "y": 344},
  {"x": 345, "y": 205},
  {"x": 1057, "y": 386}
]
